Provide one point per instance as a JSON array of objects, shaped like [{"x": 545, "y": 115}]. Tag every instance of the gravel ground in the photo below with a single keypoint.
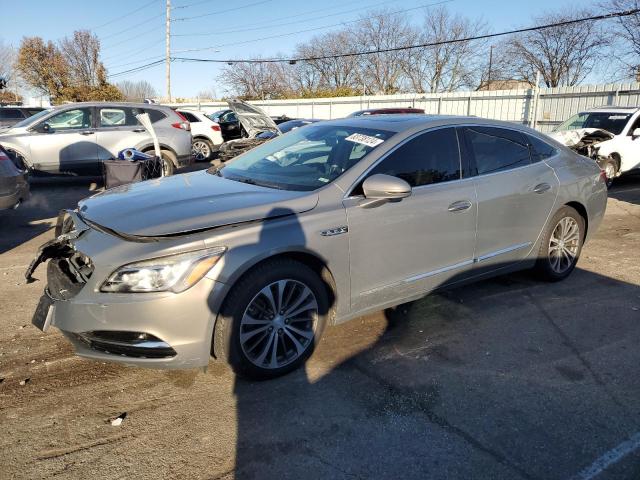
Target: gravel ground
[{"x": 505, "y": 379}]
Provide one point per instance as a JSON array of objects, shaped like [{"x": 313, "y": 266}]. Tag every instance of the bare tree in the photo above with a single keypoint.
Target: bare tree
[
  {"x": 327, "y": 73},
  {"x": 627, "y": 31},
  {"x": 445, "y": 67},
  {"x": 7, "y": 61},
  {"x": 82, "y": 54},
  {"x": 136, "y": 91},
  {"x": 253, "y": 80},
  {"x": 564, "y": 55},
  {"x": 381, "y": 30}
]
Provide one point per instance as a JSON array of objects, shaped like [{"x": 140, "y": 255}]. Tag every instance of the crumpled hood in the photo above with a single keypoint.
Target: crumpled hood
[
  {"x": 572, "y": 138},
  {"x": 189, "y": 202}
]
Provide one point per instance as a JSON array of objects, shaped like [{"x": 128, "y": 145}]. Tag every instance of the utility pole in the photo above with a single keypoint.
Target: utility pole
[
  {"x": 168, "y": 50},
  {"x": 490, "y": 65}
]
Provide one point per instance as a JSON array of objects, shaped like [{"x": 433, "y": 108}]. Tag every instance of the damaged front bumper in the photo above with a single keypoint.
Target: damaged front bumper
[{"x": 159, "y": 330}]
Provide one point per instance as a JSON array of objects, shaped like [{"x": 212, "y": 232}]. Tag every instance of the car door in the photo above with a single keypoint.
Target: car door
[
  {"x": 628, "y": 146},
  {"x": 64, "y": 142},
  {"x": 402, "y": 249},
  {"x": 516, "y": 194},
  {"x": 118, "y": 128}
]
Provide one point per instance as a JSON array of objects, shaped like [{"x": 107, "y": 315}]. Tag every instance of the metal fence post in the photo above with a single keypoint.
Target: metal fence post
[{"x": 469, "y": 106}]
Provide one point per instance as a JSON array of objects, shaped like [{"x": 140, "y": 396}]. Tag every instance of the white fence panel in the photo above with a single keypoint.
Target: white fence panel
[{"x": 554, "y": 105}]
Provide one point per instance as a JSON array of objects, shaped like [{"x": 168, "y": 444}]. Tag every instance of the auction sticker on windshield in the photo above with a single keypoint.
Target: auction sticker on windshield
[{"x": 364, "y": 139}]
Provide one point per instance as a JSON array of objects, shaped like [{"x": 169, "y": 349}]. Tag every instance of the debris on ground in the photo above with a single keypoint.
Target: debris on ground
[
  {"x": 117, "y": 421},
  {"x": 25, "y": 381}
]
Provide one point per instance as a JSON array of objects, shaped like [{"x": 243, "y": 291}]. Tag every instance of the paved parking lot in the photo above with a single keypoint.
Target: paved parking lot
[{"x": 506, "y": 379}]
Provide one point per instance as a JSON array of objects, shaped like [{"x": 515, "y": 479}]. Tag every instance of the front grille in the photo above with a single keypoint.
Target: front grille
[{"x": 127, "y": 344}]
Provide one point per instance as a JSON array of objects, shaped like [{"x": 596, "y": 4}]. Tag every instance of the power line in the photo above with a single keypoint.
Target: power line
[
  {"x": 177, "y": 7},
  {"x": 271, "y": 25},
  {"x": 422, "y": 45},
  {"x": 222, "y": 11},
  {"x": 136, "y": 52},
  {"x": 128, "y": 40},
  {"x": 125, "y": 15},
  {"x": 138, "y": 69},
  {"x": 323, "y": 27}
]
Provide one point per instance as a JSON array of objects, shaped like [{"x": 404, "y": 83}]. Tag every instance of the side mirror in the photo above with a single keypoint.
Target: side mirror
[
  {"x": 380, "y": 188},
  {"x": 44, "y": 128},
  {"x": 636, "y": 133}
]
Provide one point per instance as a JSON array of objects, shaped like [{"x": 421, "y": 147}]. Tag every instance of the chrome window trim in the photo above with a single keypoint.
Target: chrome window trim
[{"x": 395, "y": 147}]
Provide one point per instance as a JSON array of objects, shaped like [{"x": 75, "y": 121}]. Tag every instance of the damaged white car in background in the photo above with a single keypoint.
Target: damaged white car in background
[{"x": 608, "y": 135}]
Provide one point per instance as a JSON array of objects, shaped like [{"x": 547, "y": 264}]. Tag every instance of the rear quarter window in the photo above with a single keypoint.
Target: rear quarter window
[
  {"x": 155, "y": 115},
  {"x": 540, "y": 150}
]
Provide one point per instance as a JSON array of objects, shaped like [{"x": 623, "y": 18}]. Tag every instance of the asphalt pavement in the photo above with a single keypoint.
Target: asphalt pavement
[{"x": 509, "y": 378}]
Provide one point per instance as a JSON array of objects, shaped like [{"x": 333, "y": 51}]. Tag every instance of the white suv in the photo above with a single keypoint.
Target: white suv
[
  {"x": 206, "y": 133},
  {"x": 621, "y": 153}
]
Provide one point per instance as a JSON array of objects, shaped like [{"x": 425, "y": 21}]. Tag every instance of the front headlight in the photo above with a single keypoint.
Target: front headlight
[{"x": 174, "y": 273}]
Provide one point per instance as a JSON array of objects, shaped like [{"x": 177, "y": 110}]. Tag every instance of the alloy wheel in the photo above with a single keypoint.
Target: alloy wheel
[
  {"x": 564, "y": 244},
  {"x": 279, "y": 324},
  {"x": 200, "y": 150}
]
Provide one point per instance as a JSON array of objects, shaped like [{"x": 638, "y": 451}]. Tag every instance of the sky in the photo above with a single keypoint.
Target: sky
[{"x": 132, "y": 32}]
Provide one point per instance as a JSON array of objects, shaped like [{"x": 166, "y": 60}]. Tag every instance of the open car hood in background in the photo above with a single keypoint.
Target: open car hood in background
[{"x": 253, "y": 120}]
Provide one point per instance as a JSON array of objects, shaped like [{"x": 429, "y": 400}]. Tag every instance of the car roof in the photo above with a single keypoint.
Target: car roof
[
  {"x": 612, "y": 109},
  {"x": 410, "y": 121},
  {"x": 110, "y": 104}
]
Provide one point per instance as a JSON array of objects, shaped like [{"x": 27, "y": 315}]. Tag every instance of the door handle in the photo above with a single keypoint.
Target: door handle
[
  {"x": 87, "y": 132},
  {"x": 460, "y": 206},
  {"x": 541, "y": 188},
  {"x": 139, "y": 130}
]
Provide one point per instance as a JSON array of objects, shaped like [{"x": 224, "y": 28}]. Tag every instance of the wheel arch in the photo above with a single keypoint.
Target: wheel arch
[
  {"x": 582, "y": 210},
  {"x": 306, "y": 257},
  {"x": 163, "y": 146}
]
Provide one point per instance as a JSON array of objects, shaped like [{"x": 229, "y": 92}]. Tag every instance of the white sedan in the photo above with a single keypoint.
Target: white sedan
[{"x": 206, "y": 134}]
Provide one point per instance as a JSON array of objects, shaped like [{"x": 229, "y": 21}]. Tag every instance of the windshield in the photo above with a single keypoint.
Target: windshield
[
  {"x": 33, "y": 118},
  {"x": 305, "y": 158},
  {"x": 611, "y": 122}
]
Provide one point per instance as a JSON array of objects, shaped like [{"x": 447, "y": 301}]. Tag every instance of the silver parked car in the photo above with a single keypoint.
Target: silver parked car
[
  {"x": 250, "y": 261},
  {"x": 78, "y": 137}
]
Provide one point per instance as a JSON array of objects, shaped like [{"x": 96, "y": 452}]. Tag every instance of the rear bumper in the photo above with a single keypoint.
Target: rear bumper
[{"x": 14, "y": 197}]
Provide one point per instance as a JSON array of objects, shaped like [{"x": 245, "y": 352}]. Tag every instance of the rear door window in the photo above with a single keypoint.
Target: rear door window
[
  {"x": 116, "y": 117},
  {"x": 431, "y": 157},
  {"x": 10, "y": 114},
  {"x": 495, "y": 149},
  {"x": 189, "y": 116}
]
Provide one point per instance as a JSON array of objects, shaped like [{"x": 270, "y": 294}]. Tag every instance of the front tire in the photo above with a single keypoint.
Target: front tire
[
  {"x": 272, "y": 319},
  {"x": 610, "y": 167},
  {"x": 561, "y": 245}
]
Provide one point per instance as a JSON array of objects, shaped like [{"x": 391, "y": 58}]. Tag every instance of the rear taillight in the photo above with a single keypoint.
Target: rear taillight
[
  {"x": 603, "y": 176},
  {"x": 4, "y": 156},
  {"x": 215, "y": 128},
  {"x": 184, "y": 124}
]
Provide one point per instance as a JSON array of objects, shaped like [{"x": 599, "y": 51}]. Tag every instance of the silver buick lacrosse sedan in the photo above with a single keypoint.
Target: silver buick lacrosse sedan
[{"x": 250, "y": 261}]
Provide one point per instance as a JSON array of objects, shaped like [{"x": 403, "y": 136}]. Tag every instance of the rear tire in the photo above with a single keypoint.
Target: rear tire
[
  {"x": 281, "y": 305},
  {"x": 201, "y": 149},
  {"x": 561, "y": 245},
  {"x": 169, "y": 161}
]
